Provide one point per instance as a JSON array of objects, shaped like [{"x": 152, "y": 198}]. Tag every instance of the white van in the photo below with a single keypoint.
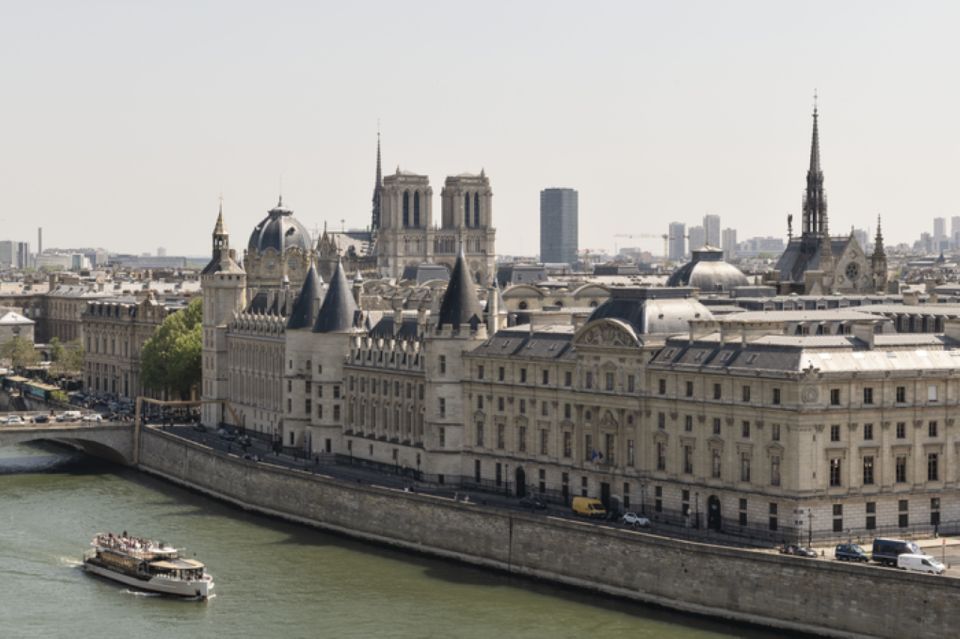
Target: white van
[{"x": 920, "y": 563}]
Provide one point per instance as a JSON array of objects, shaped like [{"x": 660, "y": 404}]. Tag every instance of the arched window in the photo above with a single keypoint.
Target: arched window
[
  {"x": 416, "y": 209},
  {"x": 476, "y": 210},
  {"x": 466, "y": 209},
  {"x": 406, "y": 208}
]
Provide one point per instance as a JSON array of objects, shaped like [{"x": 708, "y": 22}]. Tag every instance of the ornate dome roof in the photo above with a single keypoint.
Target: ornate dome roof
[
  {"x": 279, "y": 231},
  {"x": 708, "y": 272},
  {"x": 653, "y": 310}
]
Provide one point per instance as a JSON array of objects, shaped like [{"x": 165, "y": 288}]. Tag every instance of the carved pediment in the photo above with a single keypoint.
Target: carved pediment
[{"x": 608, "y": 334}]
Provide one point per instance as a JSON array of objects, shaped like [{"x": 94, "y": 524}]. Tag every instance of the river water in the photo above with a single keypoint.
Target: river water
[{"x": 273, "y": 579}]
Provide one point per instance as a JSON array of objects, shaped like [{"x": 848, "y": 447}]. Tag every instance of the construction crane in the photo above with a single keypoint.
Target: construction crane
[{"x": 651, "y": 236}]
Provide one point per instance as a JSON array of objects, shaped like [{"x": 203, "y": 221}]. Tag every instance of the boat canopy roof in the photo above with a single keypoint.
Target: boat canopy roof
[{"x": 176, "y": 564}]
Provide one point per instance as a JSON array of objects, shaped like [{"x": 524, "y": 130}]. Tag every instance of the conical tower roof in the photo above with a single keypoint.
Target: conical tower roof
[
  {"x": 302, "y": 315},
  {"x": 460, "y": 304},
  {"x": 339, "y": 309}
]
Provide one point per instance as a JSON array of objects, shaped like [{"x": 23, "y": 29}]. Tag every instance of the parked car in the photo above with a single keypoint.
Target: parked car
[
  {"x": 920, "y": 563},
  {"x": 41, "y": 419},
  {"x": 13, "y": 419},
  {"x": 588, "y": 507},
  {"x": 886, "y": 551},
  {"x": 635, "y": 520},
  {"x": 92, "y": 417},
  {"x": 533, "y": 502},
  {"x": 797, "y": 551},
  {"x": 850, "y": 552}
]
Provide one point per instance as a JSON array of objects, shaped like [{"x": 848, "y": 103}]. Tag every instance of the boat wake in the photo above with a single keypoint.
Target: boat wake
[
  {"x": 141, "y": 593},
  {"x": 72, "y": 562}
]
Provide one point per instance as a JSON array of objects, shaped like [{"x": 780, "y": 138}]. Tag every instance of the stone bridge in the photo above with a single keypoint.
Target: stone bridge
[{"x": 114, "y": 441}]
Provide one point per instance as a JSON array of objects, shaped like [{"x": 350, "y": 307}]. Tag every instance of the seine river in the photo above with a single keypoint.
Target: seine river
[{"x": 272, "y": 579}]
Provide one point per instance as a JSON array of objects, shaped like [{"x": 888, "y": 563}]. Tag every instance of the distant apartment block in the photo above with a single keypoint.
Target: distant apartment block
[
  {"x": 14, "y": 254},
  {"x": 711, "y": 226},
  {"x": 558, "y": 226},
  {"x": 697, "y": 237},
  {"x": 677, "y": 241},
  {"x": 728, "y": 242}
]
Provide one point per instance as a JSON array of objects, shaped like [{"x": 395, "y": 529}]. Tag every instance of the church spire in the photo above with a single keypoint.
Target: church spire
[
  {"x": 377, "y": 189},
  {"x": 878, "y": 242},
  {"x": 815, "y": 199}
]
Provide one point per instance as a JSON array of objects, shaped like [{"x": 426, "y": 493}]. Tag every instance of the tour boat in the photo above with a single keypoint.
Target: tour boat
[{"x": 147, "y": 565}]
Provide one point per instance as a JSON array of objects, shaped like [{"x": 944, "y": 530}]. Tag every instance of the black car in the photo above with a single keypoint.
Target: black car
[
  {"x": 533, "y": 502},
  {"x": 850, "y": 552},
  {"x": 41, "y": 419}
]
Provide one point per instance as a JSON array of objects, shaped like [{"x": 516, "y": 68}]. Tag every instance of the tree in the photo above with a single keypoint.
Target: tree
[
  {"x": 66, "y": 359},
  {"x": 170, "y": 360},
  {"x": 20, "y": 353}
]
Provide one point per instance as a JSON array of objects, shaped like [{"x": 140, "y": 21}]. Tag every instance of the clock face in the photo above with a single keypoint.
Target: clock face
[{"x": 853, "y": 270}]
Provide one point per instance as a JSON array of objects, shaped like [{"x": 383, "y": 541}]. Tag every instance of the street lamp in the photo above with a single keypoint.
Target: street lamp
[
  {"x": 643, "y": 508},
  {"x": 810, "y": 527},
  {"x": 696, "y": 497}
]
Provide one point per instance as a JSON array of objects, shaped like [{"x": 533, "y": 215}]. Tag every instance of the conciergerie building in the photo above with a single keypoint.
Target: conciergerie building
[{"x": 647, "y": 401}]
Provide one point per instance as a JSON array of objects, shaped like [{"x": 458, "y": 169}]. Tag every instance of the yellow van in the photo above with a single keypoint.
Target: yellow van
[{"x": 588, "y": 507}]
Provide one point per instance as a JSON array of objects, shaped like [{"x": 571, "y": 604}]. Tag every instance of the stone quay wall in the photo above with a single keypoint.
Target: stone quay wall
[{"x": 823, "y": 597}]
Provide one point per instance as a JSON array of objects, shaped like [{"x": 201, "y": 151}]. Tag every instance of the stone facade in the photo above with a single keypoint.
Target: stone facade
[{"x": 114, "y": 335}]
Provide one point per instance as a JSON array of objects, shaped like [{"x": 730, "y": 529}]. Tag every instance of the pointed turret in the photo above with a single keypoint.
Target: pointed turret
[
  {"x": 304, "y": 312},
  {"x": 222, "y": 258},
  {"x": 460, "y": 304},
  {"x": 339, "y": 309},
  {"x": 878, "y": 250},
  {"x": 377, "y": 191},
  {"x": 815, "y": 200}
]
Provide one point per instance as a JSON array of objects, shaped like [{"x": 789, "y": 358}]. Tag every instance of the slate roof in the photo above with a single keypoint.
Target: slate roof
[
  {"x": 460, "y": 304},
  {"x": 339, "y": 311},
  {"x": 653, "y": 310},
  {"x": 801, "y": 256},
  {"x": 279, "y": 231},
  {"x": 302, "y": 315},
  {"x": 521, "y": 342}
]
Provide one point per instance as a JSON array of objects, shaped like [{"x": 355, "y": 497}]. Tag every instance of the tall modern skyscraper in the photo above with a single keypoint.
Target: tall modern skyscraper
[
  {"x": 677, "y": 241},
  {"x": 955, "y": 231},
  {"x": 728, "y": 242},
  {"x": 698, "y": 237},
  {"x": 558, "y": 226},
  {"x": 939, "y": 230},
  {"x": 711, "y": 225}
]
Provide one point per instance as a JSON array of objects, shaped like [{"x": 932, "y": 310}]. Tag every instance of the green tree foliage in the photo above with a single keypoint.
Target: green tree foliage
[
  {"x": 66, "y": 359},
  {"x": 170, "y": 360},
  {"x": 20, "y": 353}
]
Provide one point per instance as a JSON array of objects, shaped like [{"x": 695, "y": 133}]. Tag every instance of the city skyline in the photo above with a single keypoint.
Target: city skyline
[{"x": 654, "y": 113}]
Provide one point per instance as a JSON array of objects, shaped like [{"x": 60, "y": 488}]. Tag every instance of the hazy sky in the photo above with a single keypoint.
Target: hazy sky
[{"x": 123, "y": 121}]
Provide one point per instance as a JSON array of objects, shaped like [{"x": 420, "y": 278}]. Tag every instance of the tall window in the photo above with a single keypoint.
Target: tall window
[
  {"x": 744, "y": 466},
  {"x": 501, "y": 435},
  {"x": 867, "y": 432},
  {"x": 835, "y": 432},
  {"x": 932, "y": 429},
  {"x": 480, "y": 434},
  {"x": 776, "y": 396},
  {"x": 406, "y": 208},
  {"x": 901, "y": 430},
  {"x": 901, "y": 394},
  {"x": 745, "y": 393},
  {"x": 688, "y": 423},
  {"x": 834, "y": 396},
  {"x": 933, "y": 472},
  {"x": 716, "y": 391},
  {"x": 688, "y": 459},
  {"x": 868, "y": 470},
  {"x": 544, "y": 441},
  {"x": 522, "y": 439},
  {"x": 901, "y": 468},
  {"x": 661, "y": 456},
  {"x": 715, "y": 463},
  {"x": 745, "y": 429},
  {"x": 416, "y": 209},
  {"x": 835, "y": 477},
  {"x": 662, "y": 386},
  {"x": 466, "y": 209},
  {"x": 476, "y": 210},
  {"x": 631, "y": 453},
  {"x": 868, "y": 395},
  {"x": 689, "y": 389},
  {"x": 567, "y": 444},
  {"x": 716, "y": 426},
  {"x": 775, "y": 470}
]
